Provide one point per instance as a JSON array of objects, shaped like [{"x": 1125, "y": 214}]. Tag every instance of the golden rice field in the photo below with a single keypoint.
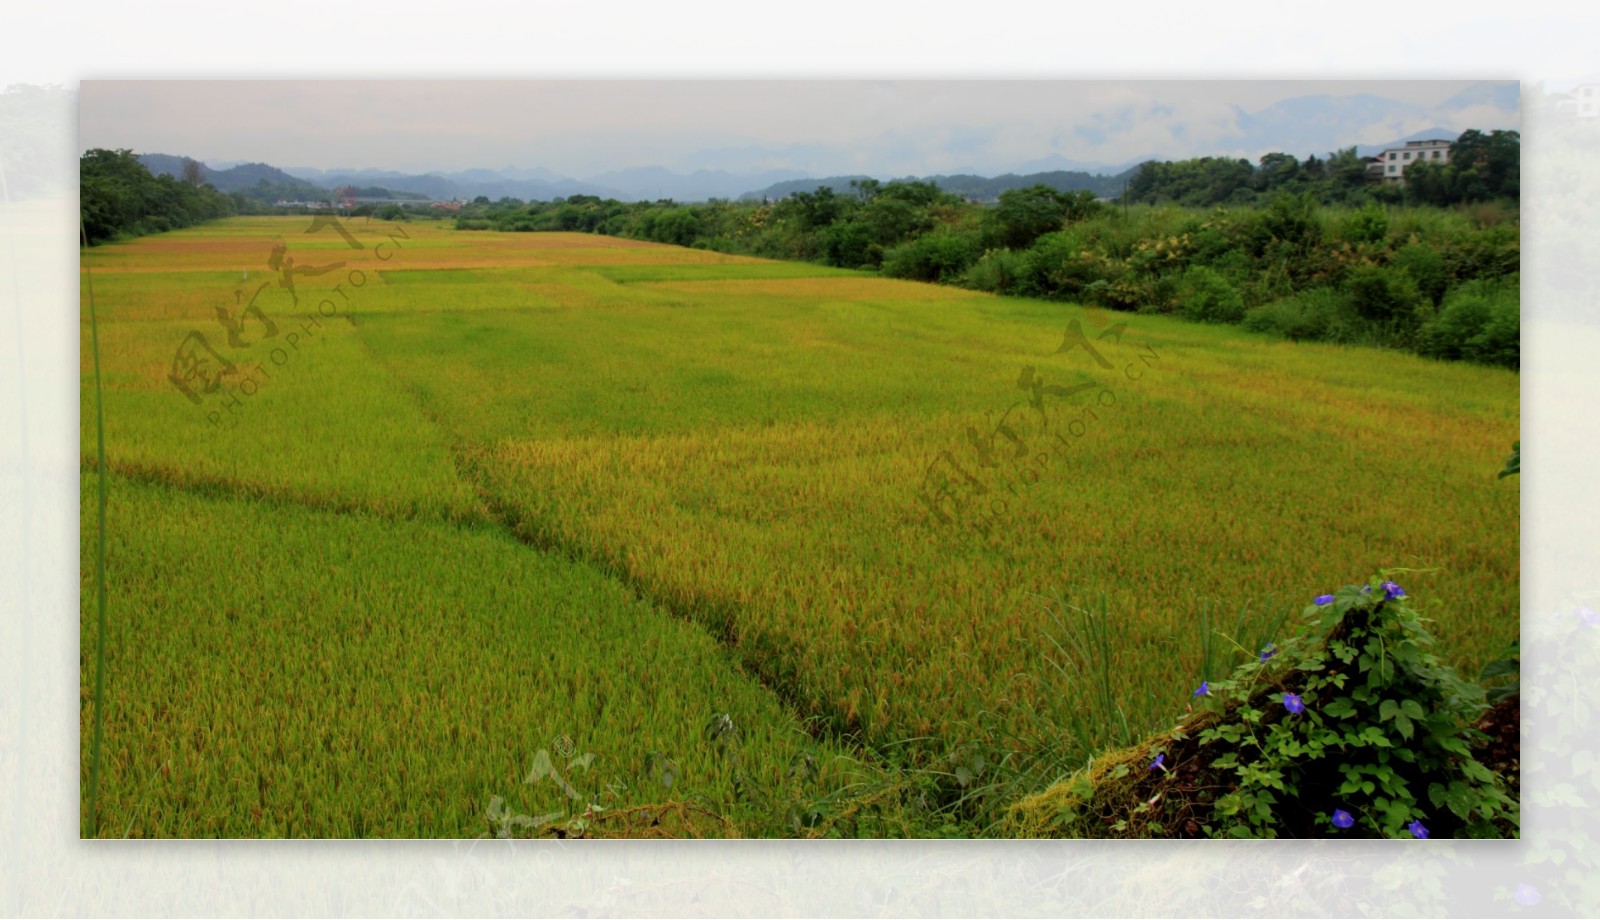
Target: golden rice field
[{"x": 457, "y": 497}]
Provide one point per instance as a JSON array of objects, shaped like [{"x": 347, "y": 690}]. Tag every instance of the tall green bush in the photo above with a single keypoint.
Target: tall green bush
[
  {"x": 1386, "y": 294},
  {"x": 998, "y": 271},
  {"x": 1370, "y": 224},
  {"x": 1479, "y": 322},
  {"x": 943, "y": 255},
  {"x": 1060, "y": 264},
  {"x": 1317, "y": 315},
  {"x": 1427, "y": 267},
  {"x": 1208, "y": 297}
]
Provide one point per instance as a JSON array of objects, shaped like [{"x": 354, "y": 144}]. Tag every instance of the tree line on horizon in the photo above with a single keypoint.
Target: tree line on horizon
[
  {"x": 122, "y": 201},
  {"x": 118, "y": 197},
  {"x": 1308, "y": 250},
  {"x": 1481, "y": 167}
]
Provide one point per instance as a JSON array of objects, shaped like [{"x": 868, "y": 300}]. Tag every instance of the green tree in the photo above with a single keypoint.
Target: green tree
[
  {"x": 1024, "y": 215},
  {"x": 678, "y": 226},
  {"x": 118, "y": 196},
  {"x": 1346, "y": 169},
  {"x": 866, "y": 189},
  {"x": 1276, "y": 171},
  {"x": 1201, "y": 182},
  {"x": 1429, "y": 183},
  {"x": 1288, "y": 227},
  {"x": 815, "y": 210},
  {"x": 1489, "y": 165},
  {"x": 919, "y": 194}
]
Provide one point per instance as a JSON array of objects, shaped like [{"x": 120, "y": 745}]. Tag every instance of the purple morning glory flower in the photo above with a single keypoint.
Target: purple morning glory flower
[
  {"x": 1291, "y": 702},
  {"x": 1390, "y": 590},
  {"x": 1323, "y": 600},
  {"x": 1417, "y": 830},
  {"x": 1589, "y": 617},
  {"x": 1343, "y": 819},
  {"x": 1526, "y": 895},
  {"x": 1268, "y": 651},
  {"x": 1156, "y": 764},
  {"x": 1204, "y": 689}
]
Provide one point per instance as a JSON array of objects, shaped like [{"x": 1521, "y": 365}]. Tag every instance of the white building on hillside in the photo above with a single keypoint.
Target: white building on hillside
[
  {"x": 1396, "y": 159},
  {"x": 1588, "y": 98}
]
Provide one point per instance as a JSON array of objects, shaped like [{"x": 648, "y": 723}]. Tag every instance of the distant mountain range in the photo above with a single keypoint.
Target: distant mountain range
[
  {"x": 1303, "y": 126},
  {"x": 644, "y": 184},
  {"x": 529, "y": 185},
  {"x": 235, "y": 178},
  {"x": 1504, "y": 96},
  {"x": 1313, "y": 124},
  {"x": 653, "y": 182},
  {"x": 967, "y": 186}
]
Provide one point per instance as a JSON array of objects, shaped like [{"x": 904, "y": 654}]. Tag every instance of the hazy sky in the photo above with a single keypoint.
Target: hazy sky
[{"x": 580, "y": 129}]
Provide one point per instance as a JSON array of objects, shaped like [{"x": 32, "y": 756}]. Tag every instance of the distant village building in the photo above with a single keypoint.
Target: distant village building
[
  {"x": 1391, "y": 163},
  {"x": 1587, "y": 97},
  {"x": 1582, "y": 101}
]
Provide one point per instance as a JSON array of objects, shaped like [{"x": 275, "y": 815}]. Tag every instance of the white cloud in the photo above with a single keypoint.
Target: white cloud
[{"x": 581, "y": 128}]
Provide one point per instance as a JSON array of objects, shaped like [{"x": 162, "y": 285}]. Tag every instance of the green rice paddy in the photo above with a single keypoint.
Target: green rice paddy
[{"x": 776, "y": 544}]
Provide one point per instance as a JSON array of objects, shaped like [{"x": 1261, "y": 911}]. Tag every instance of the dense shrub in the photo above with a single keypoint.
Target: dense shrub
[
  {"x": 1060, "y": 264},
  {"x": 1493, "y": 252},
  {"x": 1500, "y": 342},
  {"x": 1163, "y": 294},
  {"x": 1426, "y": 223},
  {"x": 1208, "y": 297},
  {"x": 999, "y": 271},
  {"x": 1287, "y": 228},
  {"x": 1212, "y": 240},
  {"x": 1317, "y": 315},
  {"x": 679, "y": 226},
  {"x": 1386, "y": 294},
  {"x": 1479, "y": 322},
  {"x": 1368, "y": 225},
  {"x": 1233, "y": 264},
  {"x": 851, "y": 244},
  {"x": 1023, "y": 215},
  {"x": 943, "y": 255},
  {"x": 1426, "y": 266}
]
